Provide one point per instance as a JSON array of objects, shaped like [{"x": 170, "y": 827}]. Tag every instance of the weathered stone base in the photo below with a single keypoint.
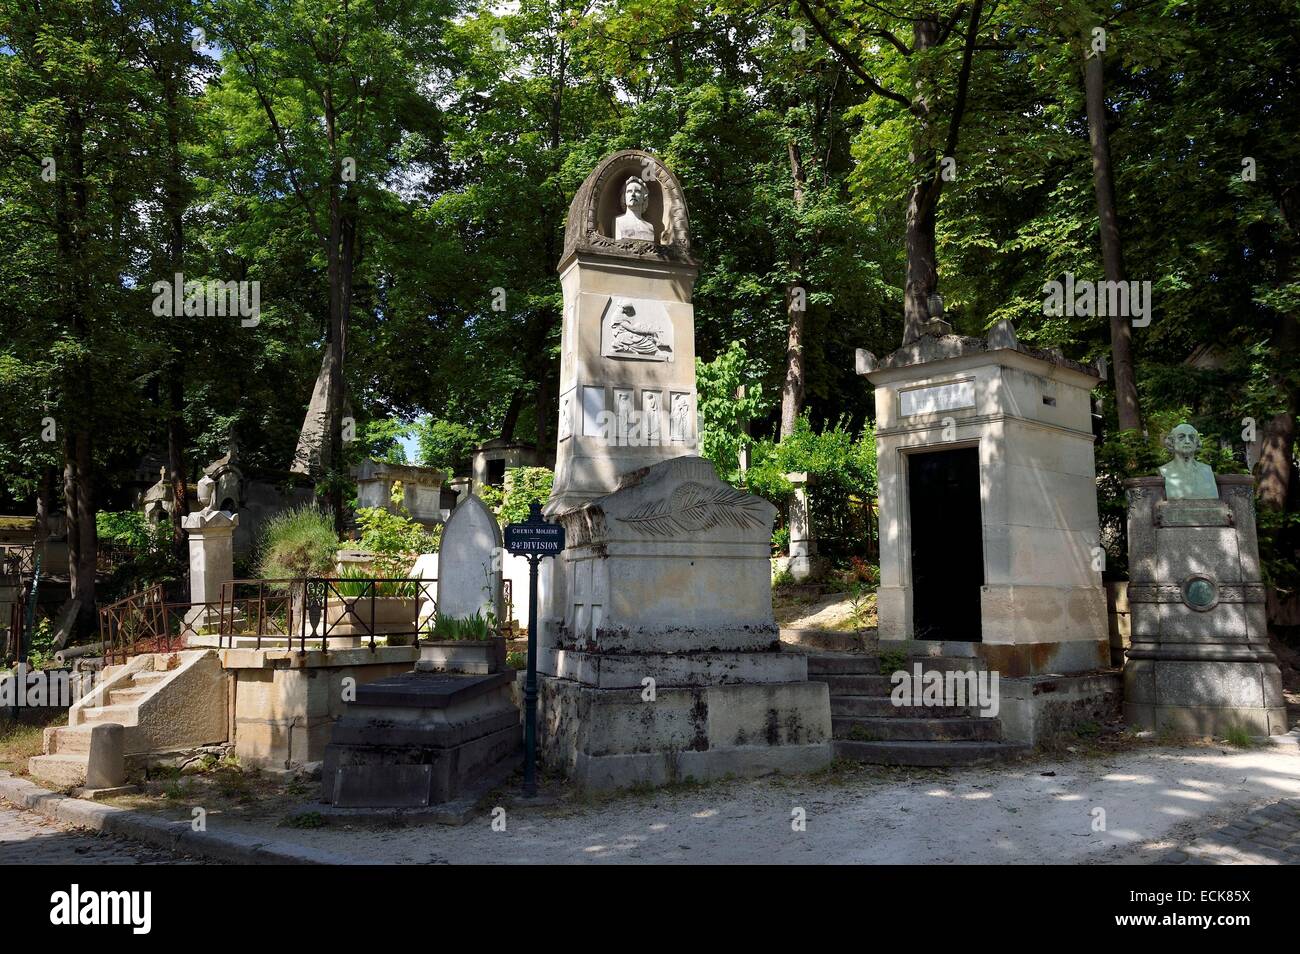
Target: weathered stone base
[
  {"x": 1034, "y": 708},
  {"x": 285, "y": 703},
  {"x": 678, "y": 670},
  {"x": 1204, "y": 696},
  {"x": 420, "y": 739},
  {"x": 613, "y": 738},
  {"x": 1014, "y": 660},
  {"x": 477, "y": 656}
]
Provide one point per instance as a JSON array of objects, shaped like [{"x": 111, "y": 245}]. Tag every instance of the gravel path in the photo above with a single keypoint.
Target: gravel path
[
  {"x": 27, "y": 838},
  {"x": 1132, "y": 807}
]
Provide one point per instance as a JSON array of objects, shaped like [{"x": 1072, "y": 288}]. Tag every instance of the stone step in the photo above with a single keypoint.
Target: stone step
[
  {"x": 60, "y": 770},
  {"x": 827, "y": 640},
  {"x": 881, "y": 706},
  {"x": 946, "y": 663},
  {"x": 827, "y": 664},
  {"x": 855, "y": 684},
  {"x": 147, "y": 678},
  {"x": 885, "y": 729},
  {"x": 125, "y": 715},
  {"x": 127, "y": 697},
  {"x": 927, "y": 753},
  {"x": 70, "y": 741}
]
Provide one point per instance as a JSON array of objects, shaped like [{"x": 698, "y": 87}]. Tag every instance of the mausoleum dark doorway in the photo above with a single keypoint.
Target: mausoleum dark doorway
[{"x": 947, "y": 544}]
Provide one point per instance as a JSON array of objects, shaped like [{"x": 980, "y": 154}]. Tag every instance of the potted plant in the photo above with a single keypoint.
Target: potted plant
[
  {"x": 465, "y": 644},
  {"x": 360, "y": 605}
]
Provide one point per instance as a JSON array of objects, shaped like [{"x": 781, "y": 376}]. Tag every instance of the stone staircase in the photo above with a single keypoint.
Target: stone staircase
[
  {"x": 868, "y": 727},
  {"x": 165, "y": 701}
]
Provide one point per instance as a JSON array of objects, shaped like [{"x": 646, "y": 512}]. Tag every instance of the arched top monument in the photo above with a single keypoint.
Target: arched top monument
[{"x": 632, "y": 206}]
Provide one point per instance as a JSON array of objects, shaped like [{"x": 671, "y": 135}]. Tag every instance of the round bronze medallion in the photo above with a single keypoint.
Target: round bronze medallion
[{"x": 1200, "y": 593}]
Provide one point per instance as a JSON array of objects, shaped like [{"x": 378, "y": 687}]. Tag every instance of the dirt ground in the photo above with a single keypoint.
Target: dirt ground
[{"x": 1126, "y": 805}]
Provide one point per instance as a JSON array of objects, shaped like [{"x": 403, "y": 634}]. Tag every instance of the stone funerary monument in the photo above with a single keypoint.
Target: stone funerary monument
[
  {"x": 658, "y": 649},
  {"x": 1200, "y": 662},
  {"x": 989, "y": 539}
]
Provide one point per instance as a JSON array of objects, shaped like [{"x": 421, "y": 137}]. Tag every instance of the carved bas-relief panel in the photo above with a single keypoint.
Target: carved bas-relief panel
[
  {"x": 637, "y": 330},
  {"x": 566, "y": 415},
  {"x": 679, "y": 420}
]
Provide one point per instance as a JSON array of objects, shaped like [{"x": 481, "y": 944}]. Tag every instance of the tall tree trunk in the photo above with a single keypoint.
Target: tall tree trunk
[
  {"x": 796, "y": 307},
  {"x": 922, "y": 276},
  {"x": 922, "y": 260},
  {"x": 44, "y": 495},
  {"x": 176, "y": 199},
  {"x": 1112, "y": 258},
  {"x": 79, "y": 394}
]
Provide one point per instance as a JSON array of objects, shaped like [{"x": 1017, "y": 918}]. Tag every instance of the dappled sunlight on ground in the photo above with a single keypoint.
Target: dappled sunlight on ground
[{"x": 1076, "y": 810}]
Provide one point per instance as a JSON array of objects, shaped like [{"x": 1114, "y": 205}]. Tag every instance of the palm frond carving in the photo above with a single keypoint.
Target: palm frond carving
[{"x": 694, "y": 507}]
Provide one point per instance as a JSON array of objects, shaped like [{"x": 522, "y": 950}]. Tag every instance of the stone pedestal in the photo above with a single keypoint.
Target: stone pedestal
[
  {"x": 667, "y": 663},
  {"x": 803, "y": 563},
  {"x": 212, "y": 563},
  {"x": 1199, "y": 660},
  {"x": 627, "y": 359}
]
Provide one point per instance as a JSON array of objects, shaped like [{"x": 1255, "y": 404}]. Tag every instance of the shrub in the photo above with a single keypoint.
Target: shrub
[
  {"x": 297, "y": 543},
  {"x": 723, "y": 416},
  {"x": 524, "y": 486},
  {"x": 393, "y": 534},
  {"x": 491, "y": 496},
  {"x": 843, "y": 469},
  {"x": 151, "y": 558},
  {"x": 125, "y": 528}
]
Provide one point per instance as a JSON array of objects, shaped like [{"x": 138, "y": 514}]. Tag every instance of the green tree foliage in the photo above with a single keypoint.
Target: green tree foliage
[
  {"x": 524, "y": 486},
  {"x": 445, "y": 444},
  {"x": 842, "y": 473},
  {"x": 724, "y": 415},
  {"x": 396, "y": 178}
]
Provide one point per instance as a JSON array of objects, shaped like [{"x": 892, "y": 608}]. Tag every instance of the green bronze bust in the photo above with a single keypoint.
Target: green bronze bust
[{"x": 1186, "y": 477}]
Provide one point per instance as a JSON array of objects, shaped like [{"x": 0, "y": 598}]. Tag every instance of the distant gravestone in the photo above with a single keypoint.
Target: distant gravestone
[{"x": 469, "y": 577}]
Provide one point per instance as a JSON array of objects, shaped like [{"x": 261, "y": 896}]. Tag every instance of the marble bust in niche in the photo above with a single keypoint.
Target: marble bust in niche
[{"x": 632, "y": 223}]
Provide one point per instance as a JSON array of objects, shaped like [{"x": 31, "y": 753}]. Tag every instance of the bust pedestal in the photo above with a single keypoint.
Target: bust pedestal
[
  {"x": 1199, "y": 661},
  {"x": 212, "y": 563}
]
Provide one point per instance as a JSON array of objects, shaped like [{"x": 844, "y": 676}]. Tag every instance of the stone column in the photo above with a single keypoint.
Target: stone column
[
  {"x": 212, "y": 561},
  {"x": 804, "y": 565}
]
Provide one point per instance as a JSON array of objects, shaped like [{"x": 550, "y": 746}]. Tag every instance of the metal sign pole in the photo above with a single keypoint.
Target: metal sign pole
[
  {"x": 534, "y": 538},
  {"x": 530, "y": 684}
]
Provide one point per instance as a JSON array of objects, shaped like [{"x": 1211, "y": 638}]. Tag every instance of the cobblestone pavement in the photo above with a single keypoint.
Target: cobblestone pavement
[
  {"x": 30, "y": 839},
  {"x": 1268, "y": 836}
]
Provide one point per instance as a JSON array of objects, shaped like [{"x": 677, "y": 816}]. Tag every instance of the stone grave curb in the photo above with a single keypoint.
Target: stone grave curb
[{"x": 230, "y": 847}]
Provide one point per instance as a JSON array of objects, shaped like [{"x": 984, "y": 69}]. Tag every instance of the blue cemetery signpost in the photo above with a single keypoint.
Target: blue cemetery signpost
[{"x": 534, "y": 539}]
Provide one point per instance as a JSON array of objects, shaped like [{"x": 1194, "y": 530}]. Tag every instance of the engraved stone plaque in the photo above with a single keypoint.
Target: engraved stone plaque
[
  {"x": 939, "y": 397},
  {"x": 1193, "y": 512}
]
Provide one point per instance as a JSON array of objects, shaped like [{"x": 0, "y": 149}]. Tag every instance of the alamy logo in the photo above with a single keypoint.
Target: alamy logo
[
  {"x": 210, "y": 299},
  {"x": 933, "y": 687},
  {"x": 75, "y": 907},
  {"x": 1086, "y": 298},
  {"x": 36, "y": 688}
]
